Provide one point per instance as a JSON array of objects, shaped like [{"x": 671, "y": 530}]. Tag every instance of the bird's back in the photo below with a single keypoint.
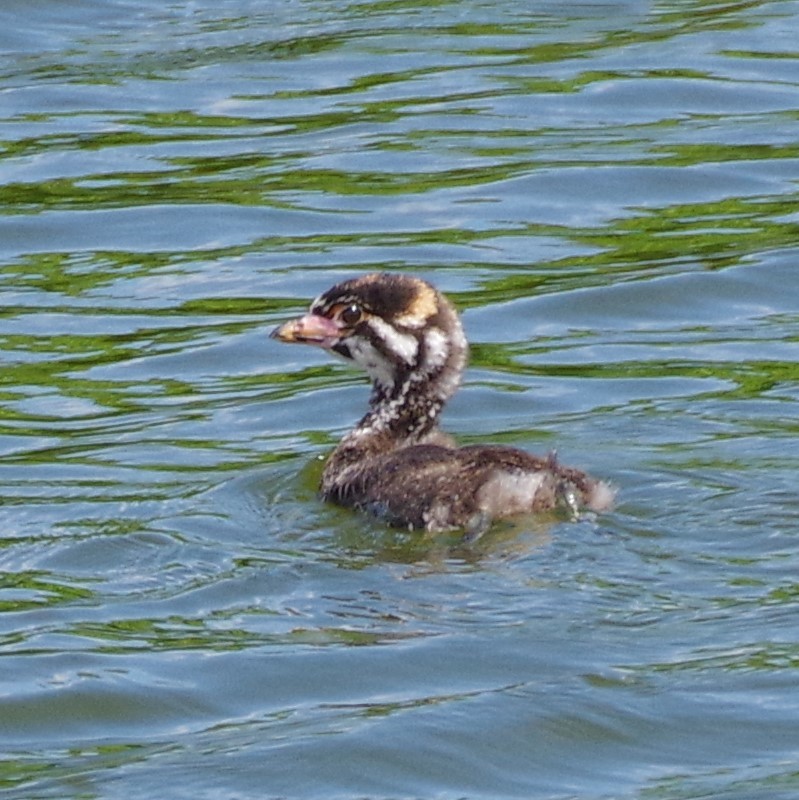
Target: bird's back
[{"x": 436, "y": 488}]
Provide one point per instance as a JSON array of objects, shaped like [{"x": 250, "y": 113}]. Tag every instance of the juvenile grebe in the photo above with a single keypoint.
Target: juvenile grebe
[{"x": 396, "y": 463}]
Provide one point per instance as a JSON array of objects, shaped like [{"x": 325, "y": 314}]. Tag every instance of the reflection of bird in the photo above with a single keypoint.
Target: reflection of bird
[{"x": 396, "y": 463}]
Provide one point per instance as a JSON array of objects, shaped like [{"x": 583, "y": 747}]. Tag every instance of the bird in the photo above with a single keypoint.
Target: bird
[{"x": 396, "y": 463}]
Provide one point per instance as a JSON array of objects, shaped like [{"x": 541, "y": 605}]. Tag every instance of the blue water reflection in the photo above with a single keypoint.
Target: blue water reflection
[{"x": 607, "y": 192}]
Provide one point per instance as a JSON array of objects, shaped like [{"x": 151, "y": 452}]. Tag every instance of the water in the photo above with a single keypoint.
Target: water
[{"x": 608, "y": 191}]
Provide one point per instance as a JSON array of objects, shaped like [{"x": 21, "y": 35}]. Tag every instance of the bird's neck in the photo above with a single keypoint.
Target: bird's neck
[
  {"x": 405, "y": 412},
  {"x": 402, "y": 413},
  {"x": 396, "y": 418}
]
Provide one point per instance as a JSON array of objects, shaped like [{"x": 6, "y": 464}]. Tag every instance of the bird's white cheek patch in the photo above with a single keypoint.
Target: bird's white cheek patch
[
  {"x": 404, "y": 345},
  {"x": 366, "y": 357},
  {"x": 437, "y": 347}
]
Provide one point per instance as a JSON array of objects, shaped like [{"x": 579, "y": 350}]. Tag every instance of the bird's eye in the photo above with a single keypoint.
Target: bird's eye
[{"x": 351, "y": 315}]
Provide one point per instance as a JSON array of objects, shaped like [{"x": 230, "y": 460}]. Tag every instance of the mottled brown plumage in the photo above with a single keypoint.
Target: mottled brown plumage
[{"x": 396, "y": 463}]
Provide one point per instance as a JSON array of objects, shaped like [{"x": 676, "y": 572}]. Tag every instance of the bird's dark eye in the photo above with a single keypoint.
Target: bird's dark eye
[{"x": 351, "y": 315}]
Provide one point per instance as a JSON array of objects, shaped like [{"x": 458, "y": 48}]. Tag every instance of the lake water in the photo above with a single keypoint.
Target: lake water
[{"x": 607, "y": 190}]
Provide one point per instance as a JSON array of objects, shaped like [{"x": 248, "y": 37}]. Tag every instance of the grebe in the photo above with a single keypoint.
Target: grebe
[{"x": 396, "y": 463}]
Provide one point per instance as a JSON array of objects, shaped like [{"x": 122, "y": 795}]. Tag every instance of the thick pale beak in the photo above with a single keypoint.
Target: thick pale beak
[{"x": 310, "y": 329}]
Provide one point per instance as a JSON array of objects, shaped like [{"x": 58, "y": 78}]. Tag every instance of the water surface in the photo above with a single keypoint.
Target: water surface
[{"x": 608, "y": 191}]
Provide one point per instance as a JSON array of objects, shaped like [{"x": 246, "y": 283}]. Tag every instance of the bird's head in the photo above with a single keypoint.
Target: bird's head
[{"x": 398, "y": 328}]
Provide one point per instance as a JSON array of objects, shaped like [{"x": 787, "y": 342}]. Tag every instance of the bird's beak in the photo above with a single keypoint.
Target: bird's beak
[{"x": 310, "y": 329}]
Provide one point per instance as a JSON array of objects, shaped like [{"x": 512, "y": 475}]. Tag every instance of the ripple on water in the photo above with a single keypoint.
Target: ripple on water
[{"x": 607, "y": 192}]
